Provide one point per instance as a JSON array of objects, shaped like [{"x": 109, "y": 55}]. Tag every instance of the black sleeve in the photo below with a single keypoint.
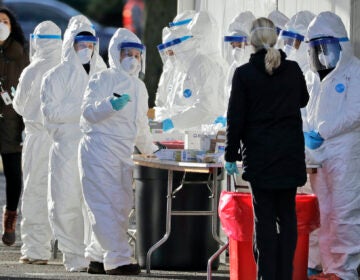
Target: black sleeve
[
  {"x": 235, "y": 119},
  {"x": 304, "y": 92}
]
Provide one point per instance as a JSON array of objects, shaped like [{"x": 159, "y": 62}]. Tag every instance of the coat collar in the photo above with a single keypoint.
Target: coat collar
[{"x": 258, "y": 60}]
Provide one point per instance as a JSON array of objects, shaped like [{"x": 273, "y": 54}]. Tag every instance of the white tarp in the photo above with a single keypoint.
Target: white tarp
[{"x": 225, "y": 10}]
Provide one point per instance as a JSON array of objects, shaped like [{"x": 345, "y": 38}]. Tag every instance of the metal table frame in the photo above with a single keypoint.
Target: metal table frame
[{"x": 193, "y": 167}]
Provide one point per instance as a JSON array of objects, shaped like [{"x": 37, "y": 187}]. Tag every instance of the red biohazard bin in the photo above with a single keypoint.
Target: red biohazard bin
[{"x": 236, "y": 215}]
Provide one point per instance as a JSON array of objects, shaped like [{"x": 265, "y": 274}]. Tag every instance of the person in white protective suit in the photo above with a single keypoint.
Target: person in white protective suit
[
  {"x": 292, "y": 42},
  {"x": 36, "y": 235},
  {"x": 113, "y": 120},
  {"x": 196, "y": 95},
  {"x": 334, "y": 141},
  {"x": 237, "y": 51},
  {"x": 291, "y": 39},
  {"x": 177, "y": 29},
  {"x": 279, "y": 19},
  {"x": 100, "y": 63},
  {"x": 62, "y": 92}
]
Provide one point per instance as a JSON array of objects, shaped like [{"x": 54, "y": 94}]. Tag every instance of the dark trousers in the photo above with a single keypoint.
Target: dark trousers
[
  {"x": 13, "y": 177},
  {"x": 275, "y": 233}
]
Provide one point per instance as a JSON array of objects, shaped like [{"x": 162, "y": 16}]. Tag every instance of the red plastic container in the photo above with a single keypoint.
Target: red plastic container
[
  {"x": 175, "y": 144},
  {"x": 242, "y": 263}
]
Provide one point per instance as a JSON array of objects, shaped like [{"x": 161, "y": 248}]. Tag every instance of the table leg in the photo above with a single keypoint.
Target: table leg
[
  {"x": 214, "y": 217},
  {"x": 213, "y": 257},
  {"x": 168, "y": 222}
]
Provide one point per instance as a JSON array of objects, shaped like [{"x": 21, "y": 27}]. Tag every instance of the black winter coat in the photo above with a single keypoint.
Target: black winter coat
[
  {"x": 264, "y": 118},
  {"x": 13, "y": 59}
]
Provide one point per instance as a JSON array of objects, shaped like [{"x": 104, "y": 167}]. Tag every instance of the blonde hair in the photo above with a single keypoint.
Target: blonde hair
[{"x": 263, "y": 36}]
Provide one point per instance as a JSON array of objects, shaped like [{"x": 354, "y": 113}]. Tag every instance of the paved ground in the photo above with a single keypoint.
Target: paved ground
[{"x": 10, "y": 268}]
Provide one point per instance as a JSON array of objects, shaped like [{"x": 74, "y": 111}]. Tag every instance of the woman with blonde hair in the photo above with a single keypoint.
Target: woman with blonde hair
[{"x": 265, "y": 131}]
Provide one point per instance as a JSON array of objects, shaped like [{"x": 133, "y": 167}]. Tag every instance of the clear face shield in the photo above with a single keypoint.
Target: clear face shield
[
  {"x": 289, "y": 42},
  {"x": 84, "y": 46},
  {"x": 173, "y": 48},
  {"x": 133, "y": 57},
  {"x": 324, "y": 53},
  {"x": 36, "y": 39},
  {"x": 166, "y": 52},
  {"x": 235, "y": 48},
  {"x": 162, "y": 53}
]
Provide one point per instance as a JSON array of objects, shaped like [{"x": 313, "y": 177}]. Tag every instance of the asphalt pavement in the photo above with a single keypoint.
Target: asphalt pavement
[{"x": 10, "y": 268}]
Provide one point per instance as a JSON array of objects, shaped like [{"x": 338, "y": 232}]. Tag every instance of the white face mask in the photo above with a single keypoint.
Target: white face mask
[
  {"x": 289, "y": 50},
  {"x": 131, "y": 65},
  {"x": 84, "y": 55},
  {"x": 238, "y": 54},
  {"x": 327, "y": 60},
  {"x": 4, "y": 31}
]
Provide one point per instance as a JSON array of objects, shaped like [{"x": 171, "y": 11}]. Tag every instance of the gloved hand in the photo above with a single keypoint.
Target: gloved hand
[
  {"x": 167, "y": 124},
  {"x": 313, "y": 140},
  {"x": 231, "y": 168},
  {"x": 119, "y": 102},
  {"x": 220, "y": 119}
]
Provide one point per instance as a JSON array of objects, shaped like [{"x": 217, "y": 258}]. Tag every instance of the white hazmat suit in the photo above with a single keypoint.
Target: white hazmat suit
[
  {"x": 279, "y": 19},
  {"x": 61, "y": 94},
  {"x": 35, "y": 227},
  {"x": 239, "y": 26},
  {"x": 333, "y": 111},
  {"x": 177, "y": 29},
  {"x": 105, "y": 154},
  {"x": 197, "y": 87},
  {"x": 298, "y": 24},
  {"x": 294, "y": 33}
]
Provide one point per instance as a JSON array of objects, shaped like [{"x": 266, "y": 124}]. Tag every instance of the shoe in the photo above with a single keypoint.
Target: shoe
[
  {"x": 9, "y": 225},
  {"x": 325, "y": 276},
  {"x": 96, "y": 268},
  {"x": 127, "y": 269},
  {"x": 313, "y": 271},
  {"x": 26, "y": 260}
]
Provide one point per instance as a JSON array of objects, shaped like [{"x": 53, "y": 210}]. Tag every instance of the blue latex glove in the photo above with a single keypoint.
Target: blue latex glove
[
  {"x": 167, "y": 124},
  {"x": 221, "y": 119},
  {"x": 313, "y": 140},
  {"x": 231, "y": 168},
  {"x": 119, "y": 102}
]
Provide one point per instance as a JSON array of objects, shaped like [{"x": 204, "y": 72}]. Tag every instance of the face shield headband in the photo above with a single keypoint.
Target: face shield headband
[
  {"x": 35, "y": 37},
  {"x": 180, "y": 22},
  {"x": 86, "y": 38}
]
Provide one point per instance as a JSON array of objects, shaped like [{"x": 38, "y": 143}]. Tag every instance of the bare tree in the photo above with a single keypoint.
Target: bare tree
[{"x": 158, "y": 14}]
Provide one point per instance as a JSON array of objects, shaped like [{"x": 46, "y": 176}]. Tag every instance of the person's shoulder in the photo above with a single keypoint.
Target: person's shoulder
[
  {"x": 54, "y": 72},
  {"x": 244, "y": 69},
  {"x": 290, "y": 63}
]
